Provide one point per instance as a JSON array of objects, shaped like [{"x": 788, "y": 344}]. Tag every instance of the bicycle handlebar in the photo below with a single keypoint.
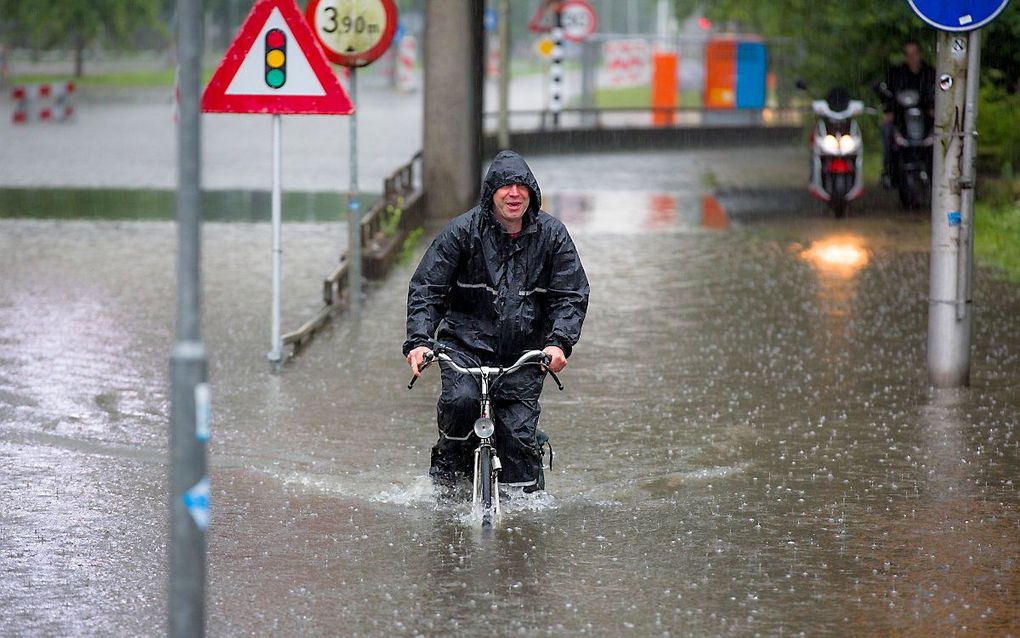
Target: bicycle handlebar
[{"x": 525, "y": 359}]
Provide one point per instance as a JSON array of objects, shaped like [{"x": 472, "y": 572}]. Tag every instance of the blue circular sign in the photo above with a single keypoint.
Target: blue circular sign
[{"x": 958, "y": 15}]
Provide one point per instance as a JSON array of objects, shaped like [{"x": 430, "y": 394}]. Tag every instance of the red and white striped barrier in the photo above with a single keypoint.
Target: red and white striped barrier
[
  {"x": 492, "y": 58},
  {"x": 43, "y": 103},
  {"x": 407, "y": 56},
  {"x": 627, "y": 63}
]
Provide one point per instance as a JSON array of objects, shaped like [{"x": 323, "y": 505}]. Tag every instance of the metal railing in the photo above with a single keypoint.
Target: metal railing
[
  {"x": 384, "y": 230},
  {"x": 571, "y": 118}
]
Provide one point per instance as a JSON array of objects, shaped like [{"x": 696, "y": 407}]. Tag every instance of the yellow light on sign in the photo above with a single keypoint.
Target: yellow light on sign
[{"x": 545, "y": 46}]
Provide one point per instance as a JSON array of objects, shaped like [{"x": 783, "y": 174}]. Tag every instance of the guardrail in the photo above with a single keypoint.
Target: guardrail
[
  {"x": 384, "y": 230},
  {"x": 573, "y": 118}
]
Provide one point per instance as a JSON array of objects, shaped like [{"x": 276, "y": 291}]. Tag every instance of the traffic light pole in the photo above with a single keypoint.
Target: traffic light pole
[
  {"x": 950, "y": 309},
  {"x": 189, "y": 392}
]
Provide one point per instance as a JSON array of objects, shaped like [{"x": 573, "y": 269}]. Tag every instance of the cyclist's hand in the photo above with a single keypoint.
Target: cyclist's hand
[
  {"x": 415, "y": 357},
  {"x": 557, "y": 360}
]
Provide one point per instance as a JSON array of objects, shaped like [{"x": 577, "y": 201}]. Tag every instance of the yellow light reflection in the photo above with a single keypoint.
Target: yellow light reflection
[{"x": 840, "y": 255}]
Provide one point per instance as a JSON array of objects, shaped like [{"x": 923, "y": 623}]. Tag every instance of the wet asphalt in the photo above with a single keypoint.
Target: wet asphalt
[{"x": 746, "y": 444}]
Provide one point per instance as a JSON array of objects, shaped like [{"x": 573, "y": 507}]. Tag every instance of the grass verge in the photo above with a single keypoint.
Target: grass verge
[
  {"x": 636, "y": 97},
  {"x": 997, "y": 229},
  {"x": 120, "y": 79}
]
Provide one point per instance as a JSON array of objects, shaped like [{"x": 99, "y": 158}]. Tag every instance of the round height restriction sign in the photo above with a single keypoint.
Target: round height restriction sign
[
  {"x": 353, "y": 32},
  {"x": 578, "y": 20}
]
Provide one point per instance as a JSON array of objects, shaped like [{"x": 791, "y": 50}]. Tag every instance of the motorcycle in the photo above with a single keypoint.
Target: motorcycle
[
  {"x": 837, "y": 151},
  {"x": 913, "y": 138}
]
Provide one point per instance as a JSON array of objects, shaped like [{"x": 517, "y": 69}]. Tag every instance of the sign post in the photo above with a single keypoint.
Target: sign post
[
  {"x": 958, "y": 69},
  {"x": 503, "y": 24},
  {"x": 189, "y": 392},
  {"x": 353, "y": 33},
  {"x": 275, "y": 67}
]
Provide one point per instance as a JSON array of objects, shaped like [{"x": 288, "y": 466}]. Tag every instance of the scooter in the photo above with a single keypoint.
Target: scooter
[
  {"x": 837, "y": 151},
  {"x": 913, "y": 141}
]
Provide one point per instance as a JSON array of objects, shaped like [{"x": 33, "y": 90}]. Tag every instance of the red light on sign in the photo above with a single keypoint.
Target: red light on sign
[
  {"x": 704, "y": 23},
  {"x": 275, "y": 38}
]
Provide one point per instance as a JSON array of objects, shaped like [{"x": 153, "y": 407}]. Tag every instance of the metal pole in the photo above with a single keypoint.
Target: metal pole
[
  {"x": 949, "y": 319},
  {"x": 189, "y": 486},
  {"x": 504, "y": 74},
  {"x": 556, "y": 69},
  {"x": 353, "y": 208},
  {"x": 276, "y": 353},
  {"x": 965, "y": 256},
  {"x": 589, "y": 62},
  {"x": 662, "y": 20}
]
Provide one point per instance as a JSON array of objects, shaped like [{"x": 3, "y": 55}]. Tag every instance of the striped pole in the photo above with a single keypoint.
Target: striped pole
[{"x": 556, "y": 70}]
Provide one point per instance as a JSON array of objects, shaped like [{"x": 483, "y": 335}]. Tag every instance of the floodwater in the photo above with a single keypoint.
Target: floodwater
[{"x": 746, "y": 444}]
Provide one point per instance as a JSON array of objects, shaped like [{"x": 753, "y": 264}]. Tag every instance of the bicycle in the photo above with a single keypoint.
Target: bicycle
[{"x": 485, "y": 491}]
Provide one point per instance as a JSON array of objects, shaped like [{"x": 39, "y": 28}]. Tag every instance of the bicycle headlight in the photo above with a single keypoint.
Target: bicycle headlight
[
  {"x": 847, "y": 144},
  {"x": 484, "y": 428},
  {"x": 830, "y": 145}
]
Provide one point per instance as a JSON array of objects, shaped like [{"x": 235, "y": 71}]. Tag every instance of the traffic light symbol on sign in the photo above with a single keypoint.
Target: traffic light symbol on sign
[{"x": 276, "y": 58}]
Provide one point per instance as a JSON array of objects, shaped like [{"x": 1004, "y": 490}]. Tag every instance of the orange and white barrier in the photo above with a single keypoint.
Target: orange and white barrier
[{"x": 43, "y": 103}]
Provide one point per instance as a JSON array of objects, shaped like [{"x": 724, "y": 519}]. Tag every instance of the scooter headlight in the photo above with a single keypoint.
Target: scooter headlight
[
  {"x": 484, "y": 427},
  {"x": 830, "y": 145},
  {"x": 847, "y": 145}
]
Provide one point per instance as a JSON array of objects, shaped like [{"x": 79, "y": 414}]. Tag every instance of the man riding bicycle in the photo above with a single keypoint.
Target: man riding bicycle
[{"x": 502, "y": 278}]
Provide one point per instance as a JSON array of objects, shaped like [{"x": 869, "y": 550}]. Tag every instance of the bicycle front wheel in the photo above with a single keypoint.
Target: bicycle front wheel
[{"x": 485, "y": 484}]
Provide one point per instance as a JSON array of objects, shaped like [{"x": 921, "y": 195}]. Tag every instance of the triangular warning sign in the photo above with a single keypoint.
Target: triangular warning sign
[{"x": 274, "y": 65}]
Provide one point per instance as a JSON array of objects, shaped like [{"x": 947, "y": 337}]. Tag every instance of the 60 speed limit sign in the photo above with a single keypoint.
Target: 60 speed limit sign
[{"x": 353, "y": 32}]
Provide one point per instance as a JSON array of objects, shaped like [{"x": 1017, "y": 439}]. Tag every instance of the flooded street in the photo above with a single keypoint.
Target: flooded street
[{"x": 746, "y": 444}]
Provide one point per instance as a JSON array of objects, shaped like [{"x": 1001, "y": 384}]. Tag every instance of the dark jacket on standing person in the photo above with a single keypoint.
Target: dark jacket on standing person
[
  {"x": 901, "y": 78},
  {"x": 492, "y": 296}
]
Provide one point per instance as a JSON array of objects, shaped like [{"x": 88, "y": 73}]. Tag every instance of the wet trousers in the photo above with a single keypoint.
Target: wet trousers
[{"x": 515, "y": 438}]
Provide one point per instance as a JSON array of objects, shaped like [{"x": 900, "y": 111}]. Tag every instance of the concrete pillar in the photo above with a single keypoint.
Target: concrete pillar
[{"x": 454, "y": 62}]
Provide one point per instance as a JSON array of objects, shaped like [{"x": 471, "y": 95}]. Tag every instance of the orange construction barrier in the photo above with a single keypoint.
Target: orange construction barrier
[
  {"x": 720, "y": 73},
  {"x": 664, "y": 88},
  {"x": 713, "y": 215}
]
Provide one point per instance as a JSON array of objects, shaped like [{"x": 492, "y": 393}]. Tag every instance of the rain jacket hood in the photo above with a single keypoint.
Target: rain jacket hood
[
  {"x": 491, "y": 296},
  {"x": 509, "y": 168}
]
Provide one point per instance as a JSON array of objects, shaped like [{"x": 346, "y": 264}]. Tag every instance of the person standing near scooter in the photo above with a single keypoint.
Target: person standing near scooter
[{"x": 913, "y": 74}]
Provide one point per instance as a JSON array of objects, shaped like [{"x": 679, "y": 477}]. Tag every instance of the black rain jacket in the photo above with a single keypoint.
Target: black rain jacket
[{"x": 492, "y": 297}]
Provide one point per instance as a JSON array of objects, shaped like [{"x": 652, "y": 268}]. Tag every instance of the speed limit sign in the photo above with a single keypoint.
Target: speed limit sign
[
  {"x": 578, "y": 20},
  {"x": 353, "y": 32}
]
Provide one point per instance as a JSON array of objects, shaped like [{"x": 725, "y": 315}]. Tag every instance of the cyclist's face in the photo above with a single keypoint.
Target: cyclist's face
[{"x": 511, "y": 201}]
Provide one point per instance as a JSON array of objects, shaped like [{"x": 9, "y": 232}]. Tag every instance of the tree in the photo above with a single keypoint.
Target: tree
[
  {"x": 853, "y": 42},
  {"x": 76, "y": 24}
]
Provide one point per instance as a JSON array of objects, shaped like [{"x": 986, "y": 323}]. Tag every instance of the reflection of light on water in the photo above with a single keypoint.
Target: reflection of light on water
[{"x": 841, "y": 255}]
